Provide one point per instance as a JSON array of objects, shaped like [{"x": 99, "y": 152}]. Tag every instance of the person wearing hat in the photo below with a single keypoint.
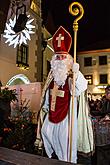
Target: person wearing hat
[{"x": 56, "y": 102}]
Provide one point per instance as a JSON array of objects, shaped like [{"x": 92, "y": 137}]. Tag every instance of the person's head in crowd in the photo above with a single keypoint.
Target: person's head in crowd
[{"x": 107, "y": 92}]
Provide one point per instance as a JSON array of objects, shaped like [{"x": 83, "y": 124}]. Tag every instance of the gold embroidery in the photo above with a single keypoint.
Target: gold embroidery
[{"x": 55, "y": 92}]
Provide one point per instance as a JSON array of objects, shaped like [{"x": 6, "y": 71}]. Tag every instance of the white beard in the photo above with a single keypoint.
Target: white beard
[{"x": 60, "y": 70}]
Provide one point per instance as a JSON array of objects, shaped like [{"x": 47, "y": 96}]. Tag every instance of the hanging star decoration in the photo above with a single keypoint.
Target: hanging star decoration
[{"x": 20, "y": 37}]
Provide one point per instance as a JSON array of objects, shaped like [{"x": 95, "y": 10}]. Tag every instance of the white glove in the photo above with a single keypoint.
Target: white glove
[{"x": 76, "y": 68}]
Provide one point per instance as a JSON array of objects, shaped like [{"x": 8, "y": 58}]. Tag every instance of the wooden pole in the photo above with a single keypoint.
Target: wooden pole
[{"x": 75, "y": 9}]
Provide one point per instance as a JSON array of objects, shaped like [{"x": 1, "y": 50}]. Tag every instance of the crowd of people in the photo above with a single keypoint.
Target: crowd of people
[
  {"x": 100, "y": 113},
  {"x": 100, "y": 108}
]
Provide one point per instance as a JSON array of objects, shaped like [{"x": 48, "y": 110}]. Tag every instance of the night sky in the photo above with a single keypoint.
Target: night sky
[{"x": 94, "y": 27}]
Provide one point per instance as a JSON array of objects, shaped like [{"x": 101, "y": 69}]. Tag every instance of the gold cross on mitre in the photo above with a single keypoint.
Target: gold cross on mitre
[
  {"x": 55, "y": 92},
  {"x": 59, "y": 38}
]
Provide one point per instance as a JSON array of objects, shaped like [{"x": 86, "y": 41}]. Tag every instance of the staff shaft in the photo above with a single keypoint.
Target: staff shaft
[{"x": 74, "y": 11}]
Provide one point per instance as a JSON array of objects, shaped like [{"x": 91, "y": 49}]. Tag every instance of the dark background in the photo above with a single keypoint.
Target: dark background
[{"x": 94, "y": 27}]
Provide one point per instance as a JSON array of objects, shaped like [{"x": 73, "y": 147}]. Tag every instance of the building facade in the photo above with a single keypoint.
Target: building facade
[
  {"x": 23, "y": 64},
  {"x": 95, "y": 65}
]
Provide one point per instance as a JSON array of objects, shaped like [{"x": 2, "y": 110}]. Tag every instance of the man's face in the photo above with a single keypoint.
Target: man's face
[
  {"x": 60, "y": 65},
  {"x": 63, "y": 58}
]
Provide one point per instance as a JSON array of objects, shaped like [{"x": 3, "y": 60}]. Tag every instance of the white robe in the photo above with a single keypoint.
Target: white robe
[{"x": 55, "y": 136}]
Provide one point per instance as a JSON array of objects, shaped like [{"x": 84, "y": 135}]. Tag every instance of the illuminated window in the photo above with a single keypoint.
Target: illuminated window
[
  {"x": 22, "y": 57},
  {"x": 89, "y": 78},
  {"x": 103, "y": 79},
  {"x": 102, "y": 60},
  {"x": 87, "y": 61}
]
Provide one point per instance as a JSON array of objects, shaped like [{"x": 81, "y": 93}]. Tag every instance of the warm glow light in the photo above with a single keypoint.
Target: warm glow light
[
  {"x": 101, "y": 86},
  {"x": 95, "y": 90},
  {"x": 95, "y": 77},
  {"x": 20, "y": 37},
  {"x": 20, "y": 76},
  {"x": 96, "y": 82}
]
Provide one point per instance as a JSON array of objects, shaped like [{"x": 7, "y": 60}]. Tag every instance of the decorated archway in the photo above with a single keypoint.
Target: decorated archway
[{"x": 18, "y": 79}]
